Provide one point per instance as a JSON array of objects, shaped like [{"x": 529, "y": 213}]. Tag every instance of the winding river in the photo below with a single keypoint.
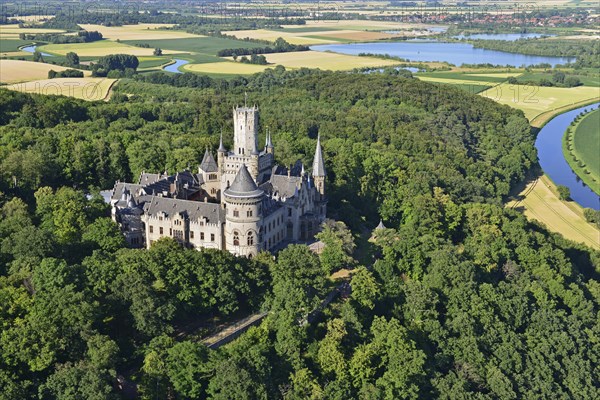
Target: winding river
[
  {"x": 552, "y": 160},
  {"x": 175, "y": 66}
]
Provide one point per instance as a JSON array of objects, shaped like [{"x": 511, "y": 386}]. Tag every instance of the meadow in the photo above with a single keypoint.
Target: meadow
[
  {"x": 539, "y": 200},
  {"x": 15, "y": 71},
  {"x": 540, "y": 103},
  {"x": 90, "y": 89},
  {"x": 581, "y": 147}
]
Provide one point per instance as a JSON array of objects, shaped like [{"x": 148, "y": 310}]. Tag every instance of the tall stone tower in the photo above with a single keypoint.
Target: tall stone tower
[
  {"x": 245, "y": 125},
  {"x": 243, "y": 212}
]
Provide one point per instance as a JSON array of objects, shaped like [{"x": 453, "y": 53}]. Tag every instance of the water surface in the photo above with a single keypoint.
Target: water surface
[
  {"x": 454, "y": 53},
  {"x": 511, "y": 37},
  {"x": 552, "y": 160},
  {"x": 175, "y": 66},
  {"x": 31, "y": 49}
]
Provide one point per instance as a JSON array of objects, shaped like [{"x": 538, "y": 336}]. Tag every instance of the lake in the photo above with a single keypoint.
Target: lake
[
  {"x": 175, "y": 66},
  {"x": 511, "y": 37},
  {"x": 454, "y": 53},
  {"x": 552, "y": 160},
  {"x": 31, "y": 49}
]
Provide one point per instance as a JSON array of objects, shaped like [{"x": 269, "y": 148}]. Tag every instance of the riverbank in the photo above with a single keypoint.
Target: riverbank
[
  {"x": 581, "y": 148},
  {"x": 539, "y": 201}
]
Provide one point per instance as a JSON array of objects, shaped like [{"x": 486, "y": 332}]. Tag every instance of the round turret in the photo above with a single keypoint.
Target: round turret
[{"x": 243, "y": 201}]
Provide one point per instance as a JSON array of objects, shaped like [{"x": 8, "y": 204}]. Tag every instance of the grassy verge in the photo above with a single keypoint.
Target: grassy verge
[
  {"x": 581, "y": 148},
  {"x": 539, "y": 201}
]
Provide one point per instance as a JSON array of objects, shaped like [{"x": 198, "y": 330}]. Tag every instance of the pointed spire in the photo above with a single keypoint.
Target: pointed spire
[
  {"x": 245, "y": 99},
  {"x": 269, "y": 142},
  {"x": 243, "y": 185},
  {"x": 208, "y": 163},
  {"x": 221, "y": 147},
  {"x": 318, "y": 164},
  {"x": 302, "y": 171}
]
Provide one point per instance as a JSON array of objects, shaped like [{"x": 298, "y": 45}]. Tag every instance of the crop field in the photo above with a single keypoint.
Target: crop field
[
  {"x": 539, "y": 201},
  {"x": 585, "y": 144},
  {"x": 14, "y": 71},
  {"x": 228, "y": 68},
  {"x": 98, "y": 49},
  {"x": 535, "y": 101},
  {"x": 362, "y": 25},
  {"x": 325, "y": 60},
  {"x": 90, "y": 89},
  {"x": 272, "y": 35},
  {"x": 456, "y": 81},
  {"x": 139, "y": 32},
  {"x": 498, "y": 75},
  {"x": 14, "y": 29},
  {"x": 485, "y": 78}
]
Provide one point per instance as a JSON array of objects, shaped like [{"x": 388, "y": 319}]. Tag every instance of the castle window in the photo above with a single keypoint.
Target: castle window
[
  {"x": 170, "y": 232},
  {"x": 191, "y": 234},
  {"x": 249, "y": 213},
  {"x": 177, "y": 234},
  {"x": 160, "y": 218},
  {"x": 250, "y": 239},
  {"x": 212, "y": 237},
  {"x": 160, "y": 230},
  {"x": 289, "y": 212},
  {"x": 151, "y": 229},
  {"x": 213, "y": 191},
  {"x": 202, "y": 236},
  {"x": 236, "y": 213},
  {"x": 236, "y": 238}
]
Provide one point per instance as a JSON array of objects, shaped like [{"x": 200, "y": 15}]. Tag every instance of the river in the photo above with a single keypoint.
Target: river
[
  {"x": 552, "y": 160},
  {"x": 175, "y": 66}
]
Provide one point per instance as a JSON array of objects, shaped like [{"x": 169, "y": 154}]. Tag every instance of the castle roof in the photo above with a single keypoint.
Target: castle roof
[
  {"x": 243, "y": 185},
  {"x": 318, "y": 164},
  {"x": 380, "y": 226},
  {"x": 192, "y": 210},
  {"x": 208, "y": 163}
]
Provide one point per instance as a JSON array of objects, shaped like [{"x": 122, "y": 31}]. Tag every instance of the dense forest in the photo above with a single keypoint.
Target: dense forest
[{"x": 456, "y": 298}]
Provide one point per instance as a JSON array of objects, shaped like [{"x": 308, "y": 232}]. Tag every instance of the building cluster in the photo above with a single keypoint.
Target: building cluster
[{"x": 241, "y": 202}]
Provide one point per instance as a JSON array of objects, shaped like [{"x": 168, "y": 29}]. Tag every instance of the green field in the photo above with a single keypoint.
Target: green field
[
  {"x": 206, "y": 48},
  {"x": 151, "y": 62},
  {"x": 591, "y": 79},
  {"x": 465, "y": 76},
  {"x": 7, "y": 45},
  {"x": 581, "y": 147}
]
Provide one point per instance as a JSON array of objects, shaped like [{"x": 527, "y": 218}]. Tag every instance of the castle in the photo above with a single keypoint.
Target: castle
[{"x": 242, "y": 202}]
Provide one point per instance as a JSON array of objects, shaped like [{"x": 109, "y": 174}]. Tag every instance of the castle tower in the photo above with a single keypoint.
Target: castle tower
[
  {"x": 245, "y": 125},
  {"x": 243, "y": 212},
  {"x": 318, "y": 171}
]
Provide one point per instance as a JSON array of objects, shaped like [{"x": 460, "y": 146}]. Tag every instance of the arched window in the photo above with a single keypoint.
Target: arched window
[
  {"x": 250, "y": 239},
  {"x": 236, "y": 238}
]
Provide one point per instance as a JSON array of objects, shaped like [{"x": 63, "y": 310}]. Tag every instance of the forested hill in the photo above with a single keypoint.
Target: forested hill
[{"x": 464, "y": 300}]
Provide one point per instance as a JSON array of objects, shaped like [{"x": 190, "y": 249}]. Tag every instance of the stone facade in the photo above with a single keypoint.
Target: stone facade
[{"x": 242, "y": 202}]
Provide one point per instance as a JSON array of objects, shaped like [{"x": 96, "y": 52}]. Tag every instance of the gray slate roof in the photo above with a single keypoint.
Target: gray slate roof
[
  {"x": 243, "y": 185},
  {"x": 193, "y": 210},
  {"x": 283, "y": 185},
  {"x": 208, "y": 163}
]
